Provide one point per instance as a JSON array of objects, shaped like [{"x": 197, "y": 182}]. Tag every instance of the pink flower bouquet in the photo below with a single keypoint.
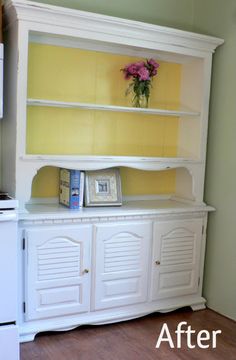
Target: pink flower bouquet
[{"x": 141, "y": 74}]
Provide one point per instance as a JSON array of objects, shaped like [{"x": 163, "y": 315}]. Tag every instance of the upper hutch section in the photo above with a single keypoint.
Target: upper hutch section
[
  {"x": 65, "y": 103},
  {"x": 72, "y": 92}
]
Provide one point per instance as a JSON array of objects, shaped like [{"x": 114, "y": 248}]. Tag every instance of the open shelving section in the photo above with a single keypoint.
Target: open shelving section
[{"x": 68, "y": 108}]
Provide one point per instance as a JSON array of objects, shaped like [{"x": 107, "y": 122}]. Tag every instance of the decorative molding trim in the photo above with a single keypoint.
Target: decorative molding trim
[
  {"x": 58, "y": 219},
  {"x": 110, "y": 28}
]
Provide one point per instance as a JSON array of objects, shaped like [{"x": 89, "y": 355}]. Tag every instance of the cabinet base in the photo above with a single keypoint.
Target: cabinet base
[{"x": 28, "y": 330}]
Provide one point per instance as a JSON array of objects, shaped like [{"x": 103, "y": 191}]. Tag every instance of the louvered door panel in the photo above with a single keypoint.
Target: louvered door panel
[
  {"x": 59, "y": 258},
  {"x": 55, "y": 281},
  {"x": 176, "y": 257},
  {"x": 122, "y": 252},
  {"x": 177, "y": 247}
]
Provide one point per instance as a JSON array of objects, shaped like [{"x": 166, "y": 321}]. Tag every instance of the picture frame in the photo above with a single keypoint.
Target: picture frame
[{"x": 103, "y": 188}]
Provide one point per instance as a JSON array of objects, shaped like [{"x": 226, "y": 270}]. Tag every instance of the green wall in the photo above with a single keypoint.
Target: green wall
[
  {"x": 214, "y": 17},
  {"x": 217, "y": 17}
]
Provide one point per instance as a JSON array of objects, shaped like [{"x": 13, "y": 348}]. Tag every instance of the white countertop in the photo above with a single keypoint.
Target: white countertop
[{"x": 129, "y": 208}]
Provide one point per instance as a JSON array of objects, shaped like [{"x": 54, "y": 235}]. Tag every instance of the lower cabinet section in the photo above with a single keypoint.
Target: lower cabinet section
[
  {"x": 121, "y": 270},
  {"x": 111, "y": 271}
]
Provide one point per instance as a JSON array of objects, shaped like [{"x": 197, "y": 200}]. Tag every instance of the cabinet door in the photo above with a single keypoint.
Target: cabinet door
[
  {"x": 122, "y": 252},
  {"x": 176, "y": 258},
  {"x": 57, "y": 265}
]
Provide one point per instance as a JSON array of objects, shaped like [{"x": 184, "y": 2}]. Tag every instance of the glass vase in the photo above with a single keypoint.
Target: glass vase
[{"x": 140, "y": 101}]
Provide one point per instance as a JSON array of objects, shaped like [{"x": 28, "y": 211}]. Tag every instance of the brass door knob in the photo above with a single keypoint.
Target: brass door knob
[
  {"x": 157, "y": 262},
  {"x": 86, "y": 271}
]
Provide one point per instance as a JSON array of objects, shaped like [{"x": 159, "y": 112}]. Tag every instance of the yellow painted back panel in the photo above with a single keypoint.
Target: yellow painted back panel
[
  {"x": 68, "y": 74},
  {"x": 73, "y": 131},
  {"x": 134, "y": 182},
  {"x": 46, "y": 182},
  {"x": 75, "y": 75}
]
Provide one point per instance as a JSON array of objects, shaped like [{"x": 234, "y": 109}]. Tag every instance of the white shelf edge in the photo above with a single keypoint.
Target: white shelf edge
[
  {"x": 114, "y": 108},
  {"x": 103, "y": 158},
  {"x": 92, "y": 163}
]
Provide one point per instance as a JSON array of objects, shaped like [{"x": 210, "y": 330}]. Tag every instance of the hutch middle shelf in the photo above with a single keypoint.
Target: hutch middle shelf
[{"x": 164, "y": 112}]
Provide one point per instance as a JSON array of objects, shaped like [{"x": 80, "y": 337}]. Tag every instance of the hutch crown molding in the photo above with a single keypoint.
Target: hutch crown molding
[{"x": 96, "y": 266}]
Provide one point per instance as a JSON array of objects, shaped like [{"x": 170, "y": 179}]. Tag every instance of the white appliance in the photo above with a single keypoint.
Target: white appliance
[
  {"x": 1, "y": 80},
  {"x": 9, "y": 343}
]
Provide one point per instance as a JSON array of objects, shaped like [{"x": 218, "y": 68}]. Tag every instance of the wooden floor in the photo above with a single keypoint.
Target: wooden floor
[{"x": 135, "y": 340}]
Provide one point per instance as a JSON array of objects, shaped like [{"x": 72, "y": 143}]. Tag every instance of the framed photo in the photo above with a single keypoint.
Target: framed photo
[{"x": 103, "y": 188}]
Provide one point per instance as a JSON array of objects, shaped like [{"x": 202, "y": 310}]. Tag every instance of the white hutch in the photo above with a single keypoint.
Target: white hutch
[{"x": 104, "y": 265}]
